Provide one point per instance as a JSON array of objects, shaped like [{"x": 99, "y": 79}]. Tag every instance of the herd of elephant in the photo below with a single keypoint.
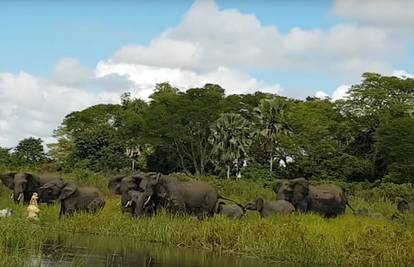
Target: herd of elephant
[{"x": 144, "y": 194}]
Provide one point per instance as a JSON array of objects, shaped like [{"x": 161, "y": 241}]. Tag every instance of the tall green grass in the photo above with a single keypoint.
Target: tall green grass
[{"x": 297, "y": 238}]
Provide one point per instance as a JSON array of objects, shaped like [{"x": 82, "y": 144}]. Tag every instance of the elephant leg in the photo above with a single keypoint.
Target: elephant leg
[
  {"x": 178, "y": 205},
  {"x": 62, "y": 210},
  {"x": 302, "y": 206}
]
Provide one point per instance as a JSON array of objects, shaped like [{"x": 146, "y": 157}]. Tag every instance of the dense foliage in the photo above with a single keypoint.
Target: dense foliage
[{"x": 366, "y": 136}]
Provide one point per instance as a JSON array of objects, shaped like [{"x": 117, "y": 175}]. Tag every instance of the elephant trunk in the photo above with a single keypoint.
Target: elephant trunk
[
  {"x": 17, "y": 196},
  {"x": 142, "y": 201}
]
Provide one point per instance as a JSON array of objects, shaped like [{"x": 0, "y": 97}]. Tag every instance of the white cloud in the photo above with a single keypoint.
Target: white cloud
[
  {"x": 340, "y": 92},
  {"x": 145, "y": 78},
  {"x": 208, "y": 38},
  {"x": 384, "y": 13},
  {"x": 33, "y": 106},
  {"x": 402, "y": 74},
  {"x": 321, "y": 94}
]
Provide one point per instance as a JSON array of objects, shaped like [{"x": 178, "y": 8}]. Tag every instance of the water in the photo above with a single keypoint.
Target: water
[{"x": 88, "y": 250}]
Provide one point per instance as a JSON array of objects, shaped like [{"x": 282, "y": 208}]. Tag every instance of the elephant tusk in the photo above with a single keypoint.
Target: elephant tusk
[
  {"x": 20, "y": 196},
  {"x": 128, "y": 203},
  {"x": 12, "y": 196},
  {"x": 146, "y": 202}
]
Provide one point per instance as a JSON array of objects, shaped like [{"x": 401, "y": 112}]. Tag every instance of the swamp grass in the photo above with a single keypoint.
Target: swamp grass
[{"x": 305, "y": 239}]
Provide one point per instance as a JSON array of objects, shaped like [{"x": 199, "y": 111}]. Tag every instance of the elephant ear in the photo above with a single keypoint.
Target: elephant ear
[
  {"x": 8, "y": 179},
  {"x": 259, "y": 204},
  {"x": 67, "y": 191},
  {"x": 300, "y": 189},
  {"x": 114, "y": 184},
  {"x": 156, "y": 180},
  {"x": 33, "y": 181}
]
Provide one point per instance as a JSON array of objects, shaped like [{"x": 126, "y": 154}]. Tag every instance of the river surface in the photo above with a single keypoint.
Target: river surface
[{"x": 89, "y": 250}]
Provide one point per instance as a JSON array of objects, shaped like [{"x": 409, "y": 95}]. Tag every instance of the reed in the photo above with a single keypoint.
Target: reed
[{"x": 297, "y": 238}]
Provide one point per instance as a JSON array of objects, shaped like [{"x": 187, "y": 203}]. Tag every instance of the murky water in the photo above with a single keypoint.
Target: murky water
[{"x": 89, "y": 250}]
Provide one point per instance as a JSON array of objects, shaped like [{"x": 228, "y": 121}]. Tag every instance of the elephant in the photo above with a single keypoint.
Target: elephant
[
  {"x": 405, "y": 206},
  {"x": 328, "y": 200},
  {"x": 128, "y": 186},
  {"x": 73, "y": 198},
  {"x": 24, "y": 185},
  {"x": 233, "y": 211},
  {"x": 193, "y": 197},
  {"x": 151, "y": 206},
  {"x": 269, "y": 208}
]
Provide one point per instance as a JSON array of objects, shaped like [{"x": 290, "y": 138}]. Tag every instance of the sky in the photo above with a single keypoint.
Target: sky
[{"x": 61, "y": 56}]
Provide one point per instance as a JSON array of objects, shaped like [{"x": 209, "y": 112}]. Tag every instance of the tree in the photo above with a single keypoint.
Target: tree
[
  {"x": 272, "y": 122},
  {"x": 231, "y": 139},
  {"x": 394, "y": 149},
  {"x": 182, "y": 121},
  {"x": 5, "y": 157},
  {"x": 92, "y": 138},
  {"x": 371, "y": 107},
  {"x": 30, "y": 151}
]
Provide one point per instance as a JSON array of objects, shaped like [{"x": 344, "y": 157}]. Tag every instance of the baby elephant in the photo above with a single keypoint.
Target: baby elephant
[
  {"x": 405, "y": 206},
  {"x": 73, "y": 198},
  {"x": 232, "y": 211},
  {"x": 269, "y": 208}
]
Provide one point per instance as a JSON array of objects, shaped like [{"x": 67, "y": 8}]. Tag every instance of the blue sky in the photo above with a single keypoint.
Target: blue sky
[
  {"x": 45, "y": 31},
  {"x": 88, "y": 52},
  {"x": 38, "y": 33}
]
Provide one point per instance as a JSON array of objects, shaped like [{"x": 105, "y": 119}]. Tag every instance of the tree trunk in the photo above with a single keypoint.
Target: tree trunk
[
  {"x": 133, "y": 165},
  {"x": 228, "y": 172},
  {"x": 271, "y": 161}
]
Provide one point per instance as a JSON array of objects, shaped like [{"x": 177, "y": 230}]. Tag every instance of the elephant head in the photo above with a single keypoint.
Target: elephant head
[
  {"x": 149, "y": 194},
  {"x": 140, "y": 199},
  {"x": 22, "y": 184},
  {"x": 294, "y": 191},
  {"x": 57, "y": 189},
  {"x": 8, "y": 179},
  {"x": 135, "y": 190},
  {"x": 257, "y": 204}
]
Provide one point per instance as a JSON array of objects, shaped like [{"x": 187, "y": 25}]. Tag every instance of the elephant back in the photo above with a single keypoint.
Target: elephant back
[{"x": 327, "y": 191}]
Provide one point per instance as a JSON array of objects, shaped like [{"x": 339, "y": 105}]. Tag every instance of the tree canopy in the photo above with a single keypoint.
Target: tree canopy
[{"x": 368, "y": 135}]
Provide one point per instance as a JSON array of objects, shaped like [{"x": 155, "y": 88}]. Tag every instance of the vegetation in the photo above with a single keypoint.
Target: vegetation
[
  {"x": 297, "y": 238},
  {"x": 363, "y": 142},
  {"x": 366, "y": 136}
]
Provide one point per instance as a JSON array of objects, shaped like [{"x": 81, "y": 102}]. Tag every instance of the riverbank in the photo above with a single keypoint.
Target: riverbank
[{"x": 297, "y": 238}]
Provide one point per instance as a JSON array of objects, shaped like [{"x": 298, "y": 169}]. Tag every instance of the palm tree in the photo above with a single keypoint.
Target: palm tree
[
  {"x": 271, "y": 116},
  {"x": 231, "y": 138}
]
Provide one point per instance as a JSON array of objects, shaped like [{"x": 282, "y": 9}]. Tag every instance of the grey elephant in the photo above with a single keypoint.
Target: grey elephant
[
  {"x": 24, "y": 185},
  {"x": 193, "y": 197},
  {"x": 269, "y": 208},
  {"x": 151, "y": 206},
  {"x": 328, "y": 200},
  {"x": 73, "y": 198},
  {"x": 128, "y": 186},
  {"x": 232, "y": 211},
  {"x": 405, "y": 206}
]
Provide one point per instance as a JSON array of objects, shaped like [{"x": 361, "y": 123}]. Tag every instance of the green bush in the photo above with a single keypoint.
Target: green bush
[{"x": 257, "y": 172}]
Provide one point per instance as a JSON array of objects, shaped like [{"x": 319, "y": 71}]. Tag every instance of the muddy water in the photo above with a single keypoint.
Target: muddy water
[{"x": 87, "y": 250}]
